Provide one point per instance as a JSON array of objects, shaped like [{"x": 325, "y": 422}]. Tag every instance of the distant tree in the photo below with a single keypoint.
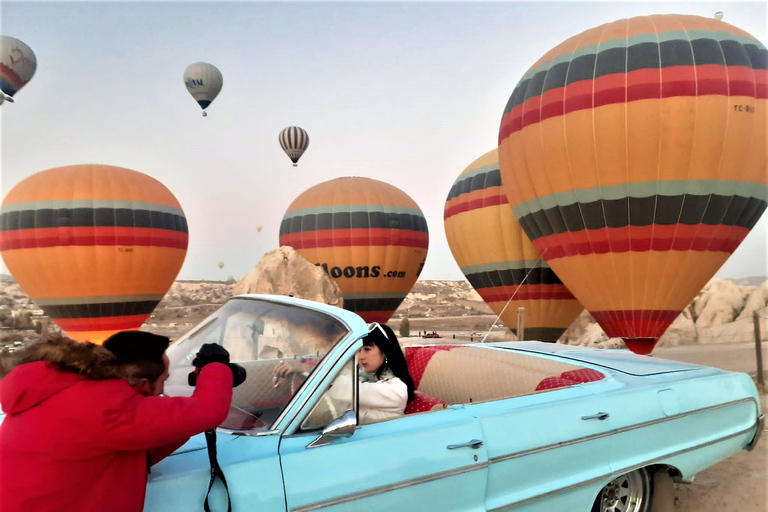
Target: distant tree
[{"x": 405, "y": 328}]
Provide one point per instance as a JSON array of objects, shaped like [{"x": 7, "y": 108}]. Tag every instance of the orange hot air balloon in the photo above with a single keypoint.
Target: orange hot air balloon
[
  {"x": 634, "y": 155},
  {"x": 498, "y": 259},
  {"x": 368, "y": 235},
  {"x": 96, "y": 247}
]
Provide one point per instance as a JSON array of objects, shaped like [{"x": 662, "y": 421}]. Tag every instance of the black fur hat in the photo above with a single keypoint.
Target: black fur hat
[{"x": 132, "y": 346}]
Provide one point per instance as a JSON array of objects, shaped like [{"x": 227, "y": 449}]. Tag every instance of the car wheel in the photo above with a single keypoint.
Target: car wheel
[{"x": 627, "y": 493}]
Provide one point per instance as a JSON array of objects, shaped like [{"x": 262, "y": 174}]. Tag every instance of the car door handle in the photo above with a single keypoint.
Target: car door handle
[
  {"x": 598, "y": 416},
  {"x": 475, "y": 443}
]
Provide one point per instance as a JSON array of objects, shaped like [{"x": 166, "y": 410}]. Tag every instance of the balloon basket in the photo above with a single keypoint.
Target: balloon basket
[{"x": 205, "y": 114}]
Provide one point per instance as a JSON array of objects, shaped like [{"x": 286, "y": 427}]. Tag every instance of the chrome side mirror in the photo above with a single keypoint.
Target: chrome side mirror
[{"x": 340, "y": 427}]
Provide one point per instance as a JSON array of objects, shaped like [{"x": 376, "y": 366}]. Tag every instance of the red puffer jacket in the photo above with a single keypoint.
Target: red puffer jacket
[{"x": 70, "y": 443}]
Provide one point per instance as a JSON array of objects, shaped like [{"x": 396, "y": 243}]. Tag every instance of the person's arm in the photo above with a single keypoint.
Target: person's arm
[
  {"x": 161, "y": 452},
  {"x": 384, "y": 394},
  {"x": 152, "y": 422}
]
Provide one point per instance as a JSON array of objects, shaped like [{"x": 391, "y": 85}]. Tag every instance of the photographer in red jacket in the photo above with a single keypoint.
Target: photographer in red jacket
[{"x": 84, "y": 422}]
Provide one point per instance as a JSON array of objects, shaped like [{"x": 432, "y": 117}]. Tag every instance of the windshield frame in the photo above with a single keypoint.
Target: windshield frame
[{"x": 303, "y": 400}]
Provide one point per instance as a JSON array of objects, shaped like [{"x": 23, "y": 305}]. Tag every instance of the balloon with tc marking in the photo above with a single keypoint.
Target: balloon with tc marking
[
  {"x": 96, "y": 247},
  {"x": 634, "y": 156}
]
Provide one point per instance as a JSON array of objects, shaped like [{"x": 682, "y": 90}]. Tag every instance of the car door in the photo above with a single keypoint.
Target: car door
[
  {"x": 431, "y": 461},
  {"x": 548, "y": 451},
  {"x": 250, "y": 465}
]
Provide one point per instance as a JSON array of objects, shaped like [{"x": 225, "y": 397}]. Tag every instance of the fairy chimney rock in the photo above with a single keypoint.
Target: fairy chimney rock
[{"x": 284, "y": 272}]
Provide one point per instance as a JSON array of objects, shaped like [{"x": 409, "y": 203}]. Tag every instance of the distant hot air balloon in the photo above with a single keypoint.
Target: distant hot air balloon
[
  {"x": 634, "y": 155},
  {"x": 203, "y": 82},
  {"x": 259, "y": 227},
  {"x": 366, "y": 234},
  {"x": 17, "y": 66},
  {"x": 294, "y": 141},
  {"x": 96, "y": 247},
  {"x": 498, "y": 259},
  {"x": 719, "y": 15},
  {"x": 221, "y": 265}
]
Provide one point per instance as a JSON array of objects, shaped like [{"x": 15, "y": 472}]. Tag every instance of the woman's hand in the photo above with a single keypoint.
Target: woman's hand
[{"x": 286, "y": 368}]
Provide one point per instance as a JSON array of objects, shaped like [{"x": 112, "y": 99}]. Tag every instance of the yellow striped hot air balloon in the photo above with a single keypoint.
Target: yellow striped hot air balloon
[
  {"x": 634, "y": 155},
  {"x": 498, "y": 259},
  {"x": 96, "y": 247},
  {"x": 368, "y": 235}
]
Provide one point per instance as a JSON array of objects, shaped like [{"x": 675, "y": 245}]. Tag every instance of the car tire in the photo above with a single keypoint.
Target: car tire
[{"x": 632, "y": 492}]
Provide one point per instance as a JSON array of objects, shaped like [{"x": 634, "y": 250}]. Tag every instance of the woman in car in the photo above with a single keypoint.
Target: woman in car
[{"x": 385, "y": 385}]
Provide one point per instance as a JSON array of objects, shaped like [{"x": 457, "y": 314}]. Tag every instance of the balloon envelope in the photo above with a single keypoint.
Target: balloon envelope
[
  {"x": 634, "y": 155},
  {"x": 259, "y": 227},
  {"x": 366, "y": 234},
  {"x": 221, "y": 264},
  {"x": 498, "y": 259},
  {"x": 204, "y": 82},
  {"x": 96, "y": 247},
  {"x": 17, "y": 64},
  {"x": 294, "y": 141}
]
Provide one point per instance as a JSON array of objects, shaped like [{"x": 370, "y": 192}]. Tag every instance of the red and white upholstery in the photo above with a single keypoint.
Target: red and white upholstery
[{"x": 460, "y": 374}]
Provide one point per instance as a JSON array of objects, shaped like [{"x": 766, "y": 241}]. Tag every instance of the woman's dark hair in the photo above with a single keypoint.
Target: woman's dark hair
[{"x": 395, "y": 360}]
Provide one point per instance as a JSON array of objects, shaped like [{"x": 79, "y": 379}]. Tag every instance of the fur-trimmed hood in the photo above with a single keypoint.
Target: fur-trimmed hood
[{"x": 47, "y": 368}]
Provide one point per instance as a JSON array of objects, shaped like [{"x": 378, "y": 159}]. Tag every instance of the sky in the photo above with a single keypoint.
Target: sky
[{"x": 403, "y": 92}]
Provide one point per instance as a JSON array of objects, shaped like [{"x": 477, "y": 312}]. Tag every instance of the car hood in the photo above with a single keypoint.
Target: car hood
[{"x": 622, "y": 361}]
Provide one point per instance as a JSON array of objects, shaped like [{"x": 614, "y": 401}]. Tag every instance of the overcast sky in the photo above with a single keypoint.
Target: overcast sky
[{"x": 407, "y": 93}]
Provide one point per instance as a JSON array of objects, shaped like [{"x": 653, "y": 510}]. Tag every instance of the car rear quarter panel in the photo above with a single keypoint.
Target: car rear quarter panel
[{"x": 688, "y": 420}]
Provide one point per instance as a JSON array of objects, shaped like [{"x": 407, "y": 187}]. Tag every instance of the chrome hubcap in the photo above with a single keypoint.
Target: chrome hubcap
[{"x": 628, "y": 493}]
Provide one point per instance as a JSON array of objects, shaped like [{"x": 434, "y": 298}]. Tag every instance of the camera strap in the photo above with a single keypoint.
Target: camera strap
[{"x": 210, "y": 440}]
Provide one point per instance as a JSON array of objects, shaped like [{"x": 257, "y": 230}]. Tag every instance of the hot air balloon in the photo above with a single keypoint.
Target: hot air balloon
[
  {"x": 294, "y": 141},
  {"x": 203, "y": 82},
  {"x": 634, "y": 155},
  {"x": 17, "y": 66},
  {"x": 366, "y": 234},
  {"x": 221, "y": 265},
  {"x": 259, "y": 227},
  {"x": 498, "y": 259},
  {"x": 96, "y": 247}
]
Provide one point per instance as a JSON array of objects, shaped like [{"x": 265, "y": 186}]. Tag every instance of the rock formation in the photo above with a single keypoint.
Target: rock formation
[{"x": 284, "y": 272}]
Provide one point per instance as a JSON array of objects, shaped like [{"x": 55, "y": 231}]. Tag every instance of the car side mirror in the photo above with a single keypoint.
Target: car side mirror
[{"x": 340, "y": 427}]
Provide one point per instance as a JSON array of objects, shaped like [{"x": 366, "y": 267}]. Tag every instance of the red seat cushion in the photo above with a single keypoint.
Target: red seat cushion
[
  {"x": 417, "y": 358},
  {"x": 423, "y": 403},
  {"x": 554, "y": 383},
  {"x": 583, "y": 375}
]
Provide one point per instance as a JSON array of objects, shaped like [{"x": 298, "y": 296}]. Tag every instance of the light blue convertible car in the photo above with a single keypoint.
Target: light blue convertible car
[{"x": 516, "y": 426}]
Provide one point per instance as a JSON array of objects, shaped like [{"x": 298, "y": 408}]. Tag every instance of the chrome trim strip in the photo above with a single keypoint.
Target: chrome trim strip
[
  {"x": 510, "y": 456},
  {"x": 617, "y": 473},
  {"x": 391, "y": 487},
  {"x": 247, "y": 433}
]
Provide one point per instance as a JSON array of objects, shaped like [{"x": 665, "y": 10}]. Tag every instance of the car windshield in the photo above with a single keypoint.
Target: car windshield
[{"x": 258, "y": 335}]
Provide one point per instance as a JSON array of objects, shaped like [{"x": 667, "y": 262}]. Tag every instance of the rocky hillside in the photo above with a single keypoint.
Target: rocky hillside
[{"x": 721, "y": 313}]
